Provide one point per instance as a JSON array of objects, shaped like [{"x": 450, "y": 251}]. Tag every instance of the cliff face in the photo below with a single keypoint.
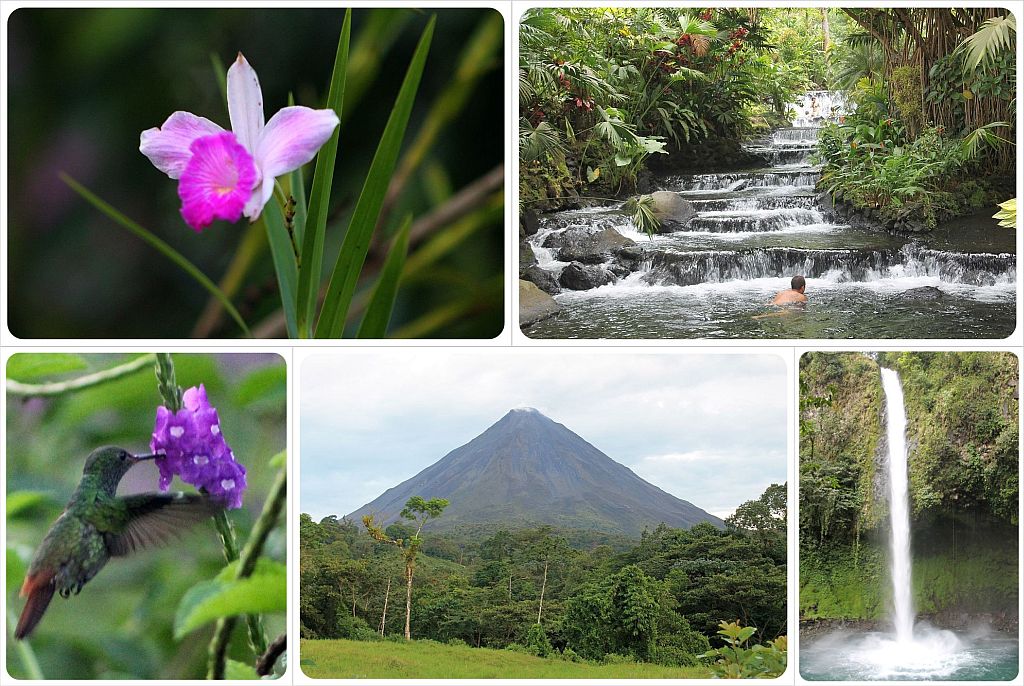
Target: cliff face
[
  {"x": 962, "y": 411},
  {"x": 527, "y": 469}
]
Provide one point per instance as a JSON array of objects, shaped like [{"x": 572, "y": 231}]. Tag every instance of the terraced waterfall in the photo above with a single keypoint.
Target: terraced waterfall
[{"x": 750, "y": 232}]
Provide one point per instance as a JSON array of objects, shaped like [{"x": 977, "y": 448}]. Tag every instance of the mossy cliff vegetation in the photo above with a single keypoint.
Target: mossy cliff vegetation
[{"x": 962, "y": 435}]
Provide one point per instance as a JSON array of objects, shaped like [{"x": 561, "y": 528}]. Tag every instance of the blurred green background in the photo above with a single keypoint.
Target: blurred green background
[
  {"x": 83, "y": 84},
  {"x": 120, "y": 626}
]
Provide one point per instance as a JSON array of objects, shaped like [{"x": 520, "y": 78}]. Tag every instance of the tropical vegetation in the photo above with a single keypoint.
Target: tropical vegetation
[
  {"x": 704, "y": 601},
  {"x": 608, "y": 95},
  {"x": 932, "y": 127},
  {"x": 962, "y": 429}
]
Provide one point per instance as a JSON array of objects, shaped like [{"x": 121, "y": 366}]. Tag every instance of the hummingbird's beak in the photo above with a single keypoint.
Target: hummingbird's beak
[{"x": 140, "y": 458}]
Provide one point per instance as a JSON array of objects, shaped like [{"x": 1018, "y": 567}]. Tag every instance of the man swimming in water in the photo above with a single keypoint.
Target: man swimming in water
[{"x": 793, "y": 295}]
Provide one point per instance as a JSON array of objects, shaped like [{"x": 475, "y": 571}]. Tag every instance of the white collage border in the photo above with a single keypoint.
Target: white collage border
[{"x": 511, "y": 341}]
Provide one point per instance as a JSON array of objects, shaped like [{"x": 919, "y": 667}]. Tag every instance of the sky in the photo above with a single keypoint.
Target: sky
[{"x": 710, "y": 429}]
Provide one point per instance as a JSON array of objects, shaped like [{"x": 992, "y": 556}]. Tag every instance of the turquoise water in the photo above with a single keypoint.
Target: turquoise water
[{"x": 935, "y": 655}]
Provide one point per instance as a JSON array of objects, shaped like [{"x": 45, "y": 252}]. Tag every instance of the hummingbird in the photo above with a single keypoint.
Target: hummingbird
[{"x": 96, "y": 525}]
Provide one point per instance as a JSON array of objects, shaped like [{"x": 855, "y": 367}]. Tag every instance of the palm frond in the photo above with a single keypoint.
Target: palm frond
[
  {"x": 995, "y": 35},
  {"x": 536, "y": 142}
]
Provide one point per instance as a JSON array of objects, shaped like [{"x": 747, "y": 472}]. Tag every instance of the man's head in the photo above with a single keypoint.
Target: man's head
[{"x": 797, "y": 283}]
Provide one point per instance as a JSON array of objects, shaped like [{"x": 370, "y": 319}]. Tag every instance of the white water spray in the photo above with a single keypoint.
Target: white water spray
[{"x": 899, "y": 507}]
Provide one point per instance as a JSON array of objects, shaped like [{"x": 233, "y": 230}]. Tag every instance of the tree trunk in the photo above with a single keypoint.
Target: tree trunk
[
  {"x": 408, "y": 600},
  {"x": 510, "y": 588},
  {"x": 384, "y": 614},
  {"x": 543, "y": 585},
  {"x": 826, "y": 37},
  {"x": 353, "y": 600}
]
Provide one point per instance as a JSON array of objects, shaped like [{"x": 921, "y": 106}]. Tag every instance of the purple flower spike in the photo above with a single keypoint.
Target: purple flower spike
[{"x": 191, "y": 446}]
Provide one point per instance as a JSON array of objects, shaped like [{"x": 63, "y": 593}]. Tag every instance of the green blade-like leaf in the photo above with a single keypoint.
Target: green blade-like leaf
[
  {"x": 28, "y": 366},
  {"x": 168, "y": 252},
  {"x": 278, "y": 461},
  {"x": 26, "y": 502},
  {"x": 264, "y": 591},
  {"x": 320, "y": 196},
  {"x": 378, "y": 313},
  {"x": 284, "y": 262},
  {"x": 364, "y": 218},
  {"x": 239, "y": 671}
]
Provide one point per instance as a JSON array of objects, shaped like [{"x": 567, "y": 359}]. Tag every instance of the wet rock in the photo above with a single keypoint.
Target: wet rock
[
  {"x": 924, "y": 293},
  {"x": 541, "y": 278},
  {"x": 582, "y": 277},
  {"x": 526, "y": 256},
  {"x": 578, "y": 244},
  {"x": 620, "y": 271},
  {"x": 629, "y": 257},
  {"x": 671, "y": 210},
  {"x": 529, "y": 222},
  {"x": 534, "y": 304},
  {"x": 825, "y": 201}
]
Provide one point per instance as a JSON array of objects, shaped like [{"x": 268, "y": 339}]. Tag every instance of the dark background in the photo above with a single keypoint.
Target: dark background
[{"x": 84, "y": 83}]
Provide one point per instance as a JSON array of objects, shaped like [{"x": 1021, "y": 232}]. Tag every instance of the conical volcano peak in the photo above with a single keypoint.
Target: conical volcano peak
[{"x": 527, "y": 469}]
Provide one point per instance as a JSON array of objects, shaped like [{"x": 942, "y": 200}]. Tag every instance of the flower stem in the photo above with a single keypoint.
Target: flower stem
[
  {"x": 246, "y": 564},
  {"x": 60, "y": 387},
  {"x": 166, "y": 383}
]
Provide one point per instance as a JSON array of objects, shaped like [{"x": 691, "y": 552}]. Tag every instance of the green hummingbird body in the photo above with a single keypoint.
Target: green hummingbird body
[{"x": 97, "y": 525}]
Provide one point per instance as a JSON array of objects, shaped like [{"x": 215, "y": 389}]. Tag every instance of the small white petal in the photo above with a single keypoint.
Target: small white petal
[
  {"x": 201, "y": 460},
  {"x": 245, "y": 103},
  {"x": 215, "y": 429},
  {"x": 177, "y": 431},
  {"x": 227, "y": 484}
]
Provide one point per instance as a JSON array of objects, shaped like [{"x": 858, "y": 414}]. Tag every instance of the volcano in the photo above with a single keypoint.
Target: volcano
[{"x": 526, "y": 470}]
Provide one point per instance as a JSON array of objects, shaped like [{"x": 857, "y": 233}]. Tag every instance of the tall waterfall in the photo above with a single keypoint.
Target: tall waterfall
[{"x": 899, "y": 507}]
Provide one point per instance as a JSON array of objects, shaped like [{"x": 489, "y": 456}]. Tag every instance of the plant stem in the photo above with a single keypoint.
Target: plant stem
[
  {"x": 59, "y": 387},
  {"x": 167, "y": 383},
  {"x": 252, "y": 246},
  {"x": 265, "y": 665},
  {"x": 25, "y": 652},
  {"x": 246, "y": 564}
]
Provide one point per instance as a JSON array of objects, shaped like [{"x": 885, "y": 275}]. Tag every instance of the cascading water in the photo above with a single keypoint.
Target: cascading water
[
  {"x": 899, "y": 507},
  {"x": 909, "y": 651},
  {"x": 750, "y": 232}
]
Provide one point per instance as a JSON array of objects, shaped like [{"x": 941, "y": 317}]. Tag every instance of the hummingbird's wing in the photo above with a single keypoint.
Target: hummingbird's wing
[{"x": 152, "y": 519}]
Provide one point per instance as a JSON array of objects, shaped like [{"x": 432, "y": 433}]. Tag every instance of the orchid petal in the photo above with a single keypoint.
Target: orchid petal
[
  {"x": 167, "y": 147},
  {"x": 260, "y": 195},
  {"x": 216, "y": 184},
  {"x": 291, "y": 139},
  {"x": 245, "y": 103}
]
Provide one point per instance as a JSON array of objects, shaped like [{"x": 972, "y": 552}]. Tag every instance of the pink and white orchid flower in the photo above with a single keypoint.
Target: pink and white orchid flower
[{"x": 225, "y": 174}]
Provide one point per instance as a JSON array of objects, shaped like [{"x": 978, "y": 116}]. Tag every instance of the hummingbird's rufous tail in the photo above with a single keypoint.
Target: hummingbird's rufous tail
[{"x": 39, "y": 588}]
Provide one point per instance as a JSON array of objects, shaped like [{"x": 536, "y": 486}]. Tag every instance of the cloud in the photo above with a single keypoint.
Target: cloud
[{"x": 709, "y": 428}]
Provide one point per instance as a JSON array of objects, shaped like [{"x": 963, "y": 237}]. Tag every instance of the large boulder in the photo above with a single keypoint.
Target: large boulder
[
  {"x": 671, "y": 210},
  {"x": 534, "y": 304},
  {"x": 583, "y": 277},
  {"x": 541, "y": 278},
  {"x": 579, "y": 244}
]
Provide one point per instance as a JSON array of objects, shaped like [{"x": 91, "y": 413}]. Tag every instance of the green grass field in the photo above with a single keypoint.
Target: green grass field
[{"x": 341, "y": 659}]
